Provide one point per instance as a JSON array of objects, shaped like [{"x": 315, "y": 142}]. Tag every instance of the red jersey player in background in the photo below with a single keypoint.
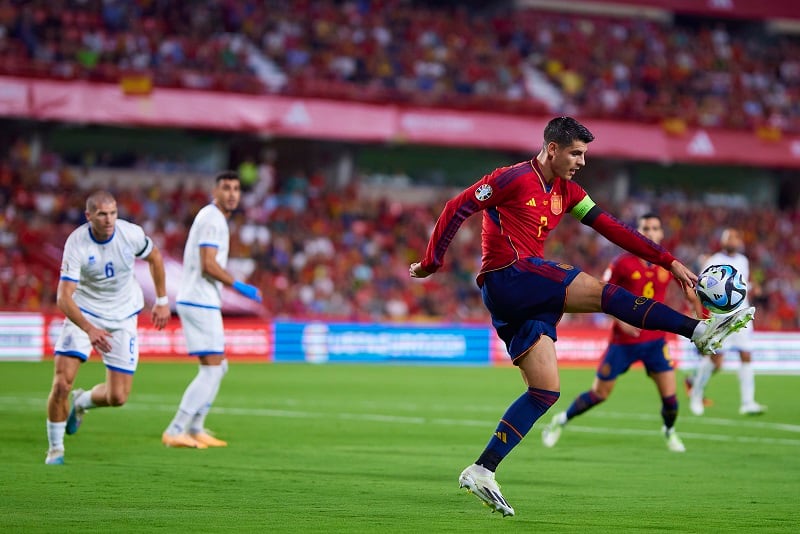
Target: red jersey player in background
[
  {"x": 629, "y": 344},
  {"x": 526, "y": 295}
]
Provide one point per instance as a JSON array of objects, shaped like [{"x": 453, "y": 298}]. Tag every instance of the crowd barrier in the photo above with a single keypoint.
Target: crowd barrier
[{"x": 30, "y": 336}]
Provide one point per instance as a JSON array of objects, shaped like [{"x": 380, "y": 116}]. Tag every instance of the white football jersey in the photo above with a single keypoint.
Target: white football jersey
[
  {"x": 209, "y": 229},
  {"x": 739, "y": 262},
  {"x": 104, "y": 271}
]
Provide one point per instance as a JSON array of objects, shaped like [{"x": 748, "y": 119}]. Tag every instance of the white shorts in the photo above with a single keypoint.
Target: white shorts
[
  {"x": 124, "y": 354},
  {"x": 741, "y": 341},
  {"x": 202, "y": 328}
]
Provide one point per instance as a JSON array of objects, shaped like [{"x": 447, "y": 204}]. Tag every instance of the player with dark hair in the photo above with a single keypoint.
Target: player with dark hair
[
  {"x": 630, "y": 344},
  {"x": 526, "y": 295},
  {"x": 199, "y": 307}
]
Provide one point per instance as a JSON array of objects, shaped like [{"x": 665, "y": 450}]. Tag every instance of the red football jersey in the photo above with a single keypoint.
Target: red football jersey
[
  {"x": 519, "y": 211},
  {"x": 640, "y": 278}
]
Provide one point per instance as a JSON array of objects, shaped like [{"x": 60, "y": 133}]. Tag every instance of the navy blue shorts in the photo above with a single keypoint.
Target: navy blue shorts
[
  {"x": 619, "y": 358},
  {"x": 526, "y": 301}
]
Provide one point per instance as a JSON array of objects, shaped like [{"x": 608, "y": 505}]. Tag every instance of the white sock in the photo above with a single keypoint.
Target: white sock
[
  {"x": 701, "y": 376},
  {"x": 699, "y": 330},
  {"x": 196, "y": 397},
  {"x": 562, "y": 418},
  {"x": 747, "y": 383},
  {"x": 198, "y": 423},
  {"x": 55, "y": 434},
  {"x": 84, "y": 400}
]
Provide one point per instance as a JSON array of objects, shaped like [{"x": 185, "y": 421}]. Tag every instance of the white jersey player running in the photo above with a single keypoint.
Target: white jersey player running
[
  {"x": 101, "y": 299},
  {"x": 731, "y": 244},
  {"x": 199, "y": 307}
]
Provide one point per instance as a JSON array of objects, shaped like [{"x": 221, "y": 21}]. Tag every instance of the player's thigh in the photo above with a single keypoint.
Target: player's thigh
[
  {"x": 123, "y": 358},
  {"x": 203, "y": 330},
  {"x": 616, "y": 361},
  {"x": 119, "y": 384},
  {"x": 584, "y": 294},
  {"x": 72, "y": 343},
  {"x": 539, "y": 365},
  {"x": 659, "y": 364}
]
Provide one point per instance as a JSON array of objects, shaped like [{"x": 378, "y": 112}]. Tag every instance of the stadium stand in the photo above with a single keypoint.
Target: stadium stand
[
  {"x": 323, "y": 252},
  {"x": 394, "y": 51},
  {"x": 319, "y": 252}
]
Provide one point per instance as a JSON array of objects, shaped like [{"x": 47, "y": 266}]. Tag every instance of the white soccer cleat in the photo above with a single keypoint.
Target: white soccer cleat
[
  {"x": 696, "y": 404},
  {"x": 552, "y": 431},
  {"x": 480, "y": 481},
  {"x": 55, "y": 457},
  {"x": 753, "y": 408},
  {"x": 721, "y": 326},
  {"x": 674, "y": 443}
]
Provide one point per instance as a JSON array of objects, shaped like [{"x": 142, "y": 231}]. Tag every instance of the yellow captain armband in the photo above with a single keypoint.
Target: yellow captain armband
[{"x": 582, "y": 208}]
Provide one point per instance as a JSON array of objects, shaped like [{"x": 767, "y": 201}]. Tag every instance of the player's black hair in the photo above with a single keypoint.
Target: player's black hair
[
  {"x": 227, "y": 175},
  {"x": 650, "y": 215},
  {"x": 565, "y": 130}
]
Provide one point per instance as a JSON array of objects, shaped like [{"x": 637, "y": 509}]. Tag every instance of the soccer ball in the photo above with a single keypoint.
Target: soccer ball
[{"x": 721, "y": 288}]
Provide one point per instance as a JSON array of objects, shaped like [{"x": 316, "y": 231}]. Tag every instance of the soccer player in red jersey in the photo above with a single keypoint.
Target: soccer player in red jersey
[
  {"x": 630, "y": 344},
  {"x": 526, "y": 295}
]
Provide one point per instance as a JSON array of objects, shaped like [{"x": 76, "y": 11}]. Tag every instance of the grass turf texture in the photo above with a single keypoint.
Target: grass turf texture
[{"x": 352, "y": 448}]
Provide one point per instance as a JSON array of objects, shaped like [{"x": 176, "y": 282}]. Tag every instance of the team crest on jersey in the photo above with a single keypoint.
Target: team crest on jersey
[
  {"x": 483, "y": 192},
  {"x": 555, "y": 204},
  {"x": 92, "y": 260}
]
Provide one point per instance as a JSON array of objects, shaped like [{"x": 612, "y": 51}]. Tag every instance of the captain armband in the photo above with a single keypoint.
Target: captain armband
[{"x": 586, "y": 211}]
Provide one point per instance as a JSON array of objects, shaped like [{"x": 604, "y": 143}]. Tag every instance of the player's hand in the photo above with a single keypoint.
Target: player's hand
[
  {"x": 251, "y": 292},
  {"x": 160, "y": 316},
  {"x": 416, "y": 271},
  {"x": 629, "y": 329},
  {"x": 101, "y": 339},
  {"x": 686, "y": 277}
]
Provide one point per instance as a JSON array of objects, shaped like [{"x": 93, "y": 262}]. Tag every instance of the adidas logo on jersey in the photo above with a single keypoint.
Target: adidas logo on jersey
[{"x": 531, "y": 202}]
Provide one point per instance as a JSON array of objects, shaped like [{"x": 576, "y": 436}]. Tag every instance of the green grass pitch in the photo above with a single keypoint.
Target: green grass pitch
[{"x": 360, "y": 448}]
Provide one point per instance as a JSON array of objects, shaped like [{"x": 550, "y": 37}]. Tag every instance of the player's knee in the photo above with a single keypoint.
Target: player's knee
[
  {"x": 117, "y": 398},
  {"x": 61, "y": 387}
]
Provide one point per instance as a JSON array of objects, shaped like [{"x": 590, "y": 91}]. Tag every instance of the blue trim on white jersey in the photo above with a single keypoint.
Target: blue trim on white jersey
[
  {"x": 68, "y": 279},
  {"x": 73, "y": 354},
  {"x": 117, "y": 369},
  {"x": 209, "y": 245},
  {"x": 192, "y": 304},
  {"x": 87, "y": 312},
  {"x": 206, "y": 353},
  {"x": 107, "y": 241}
]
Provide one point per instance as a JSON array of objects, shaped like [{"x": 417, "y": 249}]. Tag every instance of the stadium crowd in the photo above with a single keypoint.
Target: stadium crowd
[
  {"x": 331, "y": 253},
  {"x": 408, "y": 52}
]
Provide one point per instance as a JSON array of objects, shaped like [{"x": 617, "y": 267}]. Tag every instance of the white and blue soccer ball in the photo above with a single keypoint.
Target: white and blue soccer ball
[{"x": 721, "y": 288}]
